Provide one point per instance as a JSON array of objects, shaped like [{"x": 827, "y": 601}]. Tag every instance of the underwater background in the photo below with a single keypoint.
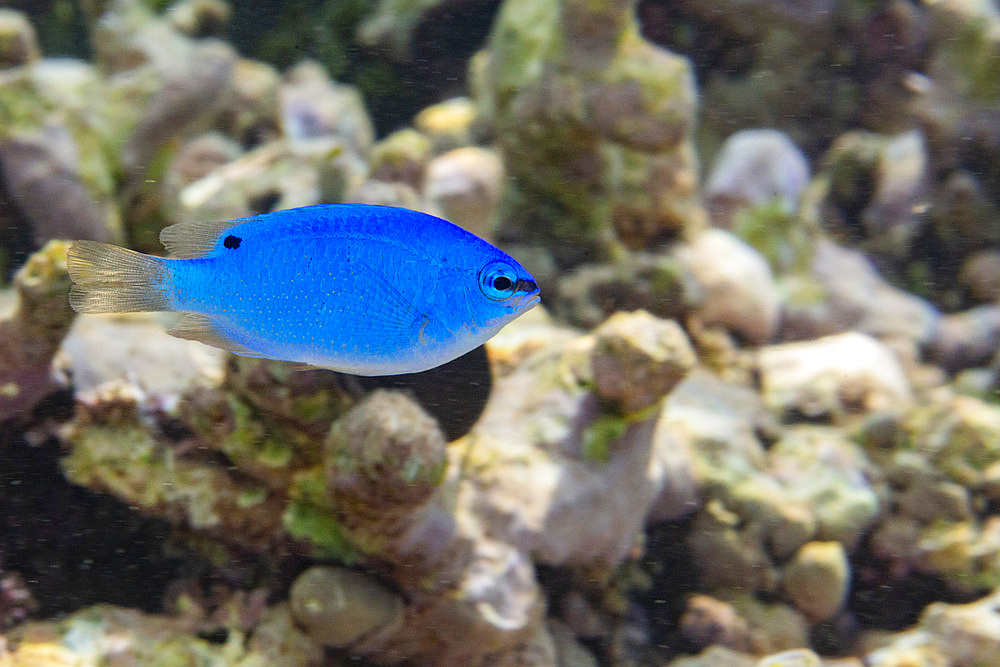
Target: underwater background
[{"x": 755, "y": 420}]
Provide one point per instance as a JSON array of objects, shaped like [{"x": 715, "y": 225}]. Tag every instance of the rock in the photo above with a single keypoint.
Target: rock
[
  {"x": 570, "y": 652},
  {"x": 339, "y": 608},
  {"x": 386, "y": 455},
  {"x": 659, "y": 284},
  {"x": 728, "y": 557},
  {"x": 755, "y": 167},
  {"x": 274, "y": 176},
  {"x": 391, "y": 24},
  {"x": 832, "y": 377},
  {"x": 877, "y": 185},
  {"x": 799, "y": 657},
  {"x": 593, "y": 478},
  {"x": 105, "y": 633},
  {"x": 639, "y": 358},
  {"x": 762, "y": 506},
  {"x": 195, "y": 160},
  {"x": 961, "y": 634},
  {"x": 921, "y": 494},
  {"x": 967, "y": 339},
  {"x": 960, "y": 438},
  {"x": 516, "y": 342},
  {"x": 143, "y": 354},
  {"x": 774, "y": 626},
  {"x": 708, "y": 621},
  {"x": 826, "y": 488},
  {"x": 737, "y": 290},
  {"x": 464, "y": 185},
  {"x": 109, "y": 448},
  {"x": 61, "y": 186},
  {"x": 251, "y": 112},
  {"x": 313, "y": 106},
  {"x": 786, "y": 80},
  {"x": 18, "y": 43},
  {"x": 957, "y": 98},
  {"x": 715, "y": 656},
  {"x": 448, "y": 124},
  {"x": 963, "y": 218},
  {"x": 401, "y": 157},
  {"x": 386, "y": 193},
  {"x": 980, "y": 275},
  {"x": 817, "y": 579},
  {"x": 200, "y": 86},
  {"x": 200, "y": 18},
  {"x": 595, "y": 125},
  {"x": 843, "y": 293},
  {"x": 33, "y": 330}
]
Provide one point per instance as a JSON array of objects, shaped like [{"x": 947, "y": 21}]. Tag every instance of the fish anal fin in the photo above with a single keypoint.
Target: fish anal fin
[
  {"x": 205, "y": 329},
  {"x": 188, "y": 240}
]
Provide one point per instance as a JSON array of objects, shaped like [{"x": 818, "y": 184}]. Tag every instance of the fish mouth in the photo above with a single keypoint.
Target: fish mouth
[{"x": 529, "y": 301}]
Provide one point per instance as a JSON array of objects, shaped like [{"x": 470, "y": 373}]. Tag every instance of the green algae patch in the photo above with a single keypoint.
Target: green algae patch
[
  {"x": 777, "y": 234},
  {"x": 20, "y": 104},
  {"x": 976, "y": 53},
  {"x": 125, "y": 461},
  {"x": 599, "y": 435},
  {"x": 310, "y": 517}
]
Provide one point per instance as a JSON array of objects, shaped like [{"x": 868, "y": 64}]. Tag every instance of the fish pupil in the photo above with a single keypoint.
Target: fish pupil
[
  {"x": 232, "y": 242},
  {"x": 502, "y": 283}
]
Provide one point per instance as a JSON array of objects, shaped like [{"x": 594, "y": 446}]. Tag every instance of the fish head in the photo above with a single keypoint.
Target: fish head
[{"x": 503, "y": 291}]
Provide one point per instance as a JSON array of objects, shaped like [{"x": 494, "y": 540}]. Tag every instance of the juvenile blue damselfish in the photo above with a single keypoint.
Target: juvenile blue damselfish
[{"x": 368, "y": 290}]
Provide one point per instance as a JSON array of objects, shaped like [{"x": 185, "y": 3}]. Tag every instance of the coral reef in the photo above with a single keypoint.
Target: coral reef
[{"x": 754, "y": 422}]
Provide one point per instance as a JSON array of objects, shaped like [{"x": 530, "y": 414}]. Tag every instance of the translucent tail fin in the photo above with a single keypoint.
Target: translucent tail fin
[{"x": 109, "y": 279}]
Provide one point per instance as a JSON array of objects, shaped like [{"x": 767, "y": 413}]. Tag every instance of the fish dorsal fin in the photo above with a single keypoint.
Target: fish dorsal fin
[
  {"x": 204, "y": 329},
  {"x": 187, "y": 240}
]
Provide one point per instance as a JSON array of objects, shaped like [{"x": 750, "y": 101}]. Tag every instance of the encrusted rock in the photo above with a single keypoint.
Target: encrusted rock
[
  {"x": 832, "y": 377},
  {"x": 33, "y": 331},
  {"x": 817, "y": 579},
  {"x": 402, "y": 156},
  {"x": 464, "y": 185},
  {"x": 188, "y": 100},
  {"x": 737, "y": 290},
  {"x": 200, "y": 18},
  {"x": 966, "y": 339},
  {"x": 386, "y": 453},
  {"x": 338, "y": 607},
  {"x": 708, "y": 621},
  {"x": 639, "y": 358},
  {"x": 448, "y": 123},
  {"x": 18, "y": 44},
  {"x": 659, "y": 284},
  {"x": 60, "y": 185},
  {"x": 959, "y": 634},
  {"x": 595, "y": 125},
  {"x": 844, "y": 292},
  {"x": 980, "y": 274},
  {"x": 755, "y": 167},
  {"x": 313, "y": 106}
]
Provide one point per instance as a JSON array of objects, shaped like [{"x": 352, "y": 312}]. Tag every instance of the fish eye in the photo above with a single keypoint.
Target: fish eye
[{"x": 497, "y": 281}]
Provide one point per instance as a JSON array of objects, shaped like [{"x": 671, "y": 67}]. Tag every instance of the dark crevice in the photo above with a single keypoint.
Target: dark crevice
[{"x": 75, "y": 547}]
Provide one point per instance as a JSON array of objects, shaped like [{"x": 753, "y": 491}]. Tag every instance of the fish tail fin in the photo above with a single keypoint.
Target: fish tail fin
[{"x": 109, "y": 279}]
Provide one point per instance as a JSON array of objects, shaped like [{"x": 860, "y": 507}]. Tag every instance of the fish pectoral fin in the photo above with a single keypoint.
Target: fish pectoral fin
[
  {"x": 189, "y": 240},
  {"x": 205, "y": 329},
  {"x": 395, "y": 313}
]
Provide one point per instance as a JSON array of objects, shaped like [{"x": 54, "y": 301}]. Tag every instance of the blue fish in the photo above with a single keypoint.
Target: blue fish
[{"x": 368, "y": 290}]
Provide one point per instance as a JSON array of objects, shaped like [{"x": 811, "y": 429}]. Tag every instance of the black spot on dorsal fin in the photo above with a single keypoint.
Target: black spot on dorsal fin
[
  {"x": 187, "y": 240},
  {"x": 232, "y": 242}
]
